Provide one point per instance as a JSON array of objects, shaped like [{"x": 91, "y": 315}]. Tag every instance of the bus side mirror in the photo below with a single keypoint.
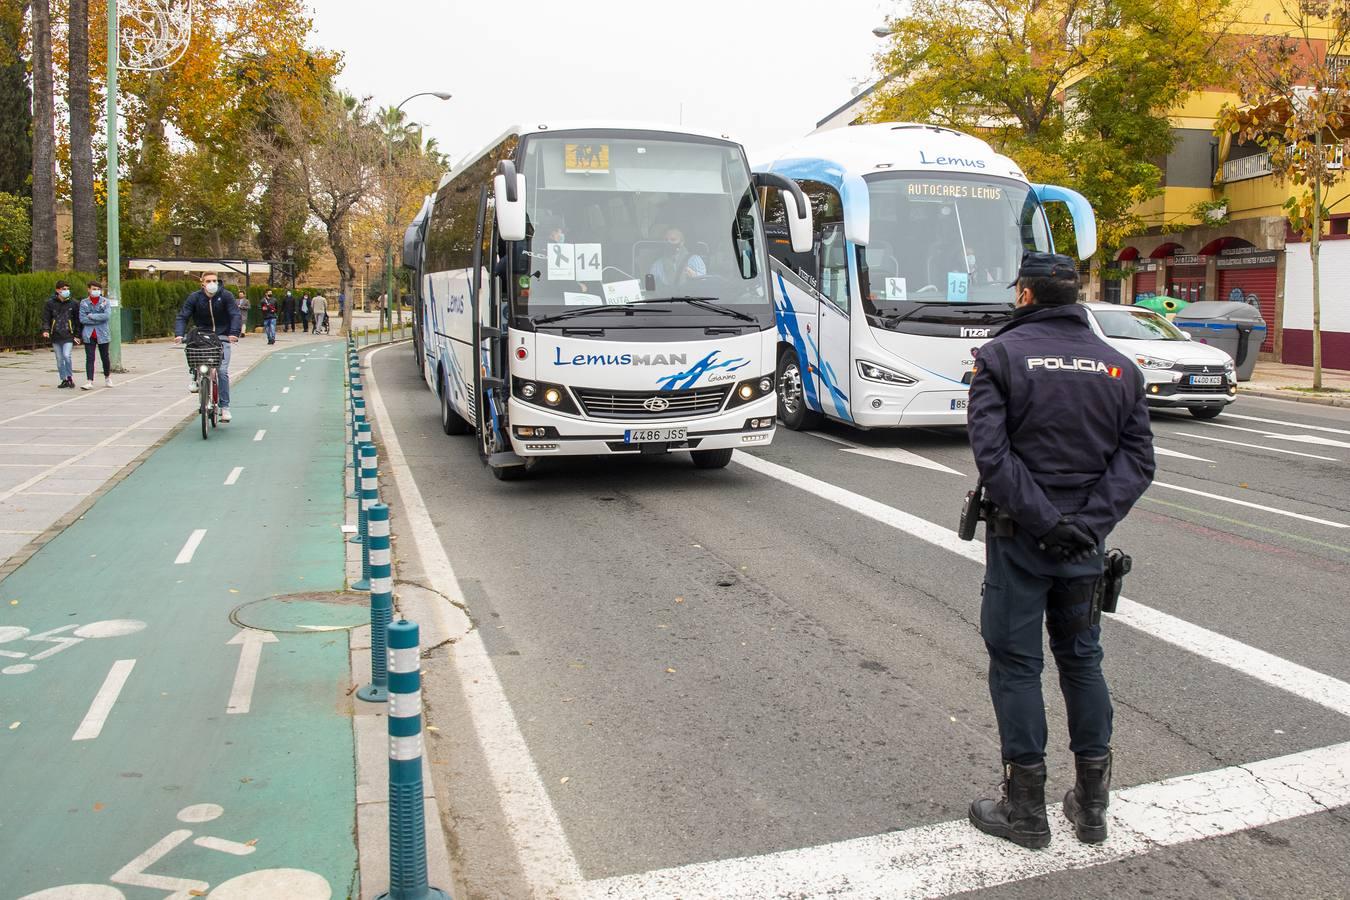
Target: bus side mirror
[
  {"x": 798, "y": 210},
  {"x": 1084, "y": 221},
  {"x": 508, "y": 191}
]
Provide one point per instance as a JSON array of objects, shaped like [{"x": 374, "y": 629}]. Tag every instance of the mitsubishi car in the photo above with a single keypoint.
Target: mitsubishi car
[{"x": 1177, "y": 372}]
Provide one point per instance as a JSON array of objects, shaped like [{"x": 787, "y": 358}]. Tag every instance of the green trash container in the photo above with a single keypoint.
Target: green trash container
[{"x": 131, "y": 323}]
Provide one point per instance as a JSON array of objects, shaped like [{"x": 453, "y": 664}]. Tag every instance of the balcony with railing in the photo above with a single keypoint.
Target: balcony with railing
[{"x": 1246, "y": 168}]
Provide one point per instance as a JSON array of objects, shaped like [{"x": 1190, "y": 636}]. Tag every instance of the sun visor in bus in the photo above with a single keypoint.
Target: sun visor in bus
[{"x": 1084, "y": 221}]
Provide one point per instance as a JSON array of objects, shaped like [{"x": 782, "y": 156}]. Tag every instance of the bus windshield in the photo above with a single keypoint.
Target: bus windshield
[
  {"x": 620, "y": 218},
  {"x": 946, "y": 240}
]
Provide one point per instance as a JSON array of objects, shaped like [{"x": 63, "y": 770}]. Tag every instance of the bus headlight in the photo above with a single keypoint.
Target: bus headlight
[
  {"x": 528, "y": 390},
  {"x": 873, "y": 372},
  {"x": 541, "y": 393},
  {"x": 552, "y": 396},
  {"x": 751, "y": 389}
]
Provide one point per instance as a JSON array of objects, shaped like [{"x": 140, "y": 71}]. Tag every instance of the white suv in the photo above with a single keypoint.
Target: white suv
[{"x": 1176, "y": 371}]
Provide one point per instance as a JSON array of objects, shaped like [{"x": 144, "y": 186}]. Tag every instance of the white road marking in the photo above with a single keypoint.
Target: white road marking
[
  {"x": 1250, "y": 505},
  {"x": 1294, "y": 425},
  {"x": 275, "y": 408},
  {"x": 1163, "y": 451},
  {"x": 1265, "y": 667},
  {"x": 234, "y": 474},
  {"x": 107, "y": 695},
  {"x": 246, "y": 675},
  {"x": 120, "y": 383},
  {"x": 297, "y": 368},
  {"x": 194, "y": 540},
  {"x": 1301, "y": 438},
  {"x": 234, "y": 848},
  {"x": 952, "y": 857},
  {"x": 1205, "y": 437},
  {"x": 541, "y": 846},
  {"x": 134, "y": 874},
  {"x": 285, "y": 390},
  {"x": 891, "y": 454},
  {"x": 259, "y": 435}
]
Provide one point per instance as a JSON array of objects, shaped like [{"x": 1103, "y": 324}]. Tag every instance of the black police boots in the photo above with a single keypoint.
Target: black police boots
[
  {"x": 1085, "y": 805},
  {"x": 1019, "y": 815}
]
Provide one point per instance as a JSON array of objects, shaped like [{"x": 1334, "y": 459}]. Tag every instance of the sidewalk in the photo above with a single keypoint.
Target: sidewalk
[
  {"x": 1278, "y": 381},
  {"x": 62, "y": 449}
]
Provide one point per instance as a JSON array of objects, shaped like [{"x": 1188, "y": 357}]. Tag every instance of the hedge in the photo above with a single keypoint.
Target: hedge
[{"x": 22, "y": 300}]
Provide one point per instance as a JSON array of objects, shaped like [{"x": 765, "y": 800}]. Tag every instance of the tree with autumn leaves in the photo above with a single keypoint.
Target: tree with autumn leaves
[{"x": 1295, "y": 86}]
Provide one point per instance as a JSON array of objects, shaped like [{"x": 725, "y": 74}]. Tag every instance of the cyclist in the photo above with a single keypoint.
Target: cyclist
[{"x": 212, "y": 308}]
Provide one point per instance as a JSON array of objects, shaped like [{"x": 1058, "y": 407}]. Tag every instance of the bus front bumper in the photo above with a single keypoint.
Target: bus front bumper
[
  {"x": 572, "y": 436},
  {"x": 888, "y": 407}
]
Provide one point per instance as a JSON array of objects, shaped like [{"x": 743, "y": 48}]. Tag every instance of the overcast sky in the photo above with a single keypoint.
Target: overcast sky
[{"x": 760, "y": 72}]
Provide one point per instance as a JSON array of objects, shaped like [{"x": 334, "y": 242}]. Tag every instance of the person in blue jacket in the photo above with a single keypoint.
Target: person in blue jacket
[
  {"x": 94, "y": 314},
  {"x": 1060, "y": 429},
  {"x": 213, "y": 309}
]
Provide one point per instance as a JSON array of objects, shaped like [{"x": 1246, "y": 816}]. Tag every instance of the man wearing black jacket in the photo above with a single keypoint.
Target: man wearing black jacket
[
  {"x": 288, "y": 312},
  {"x": 212, "y": 309},
  {"x": 61, "y": 324},
  {"x": 1060, "y": 429}
]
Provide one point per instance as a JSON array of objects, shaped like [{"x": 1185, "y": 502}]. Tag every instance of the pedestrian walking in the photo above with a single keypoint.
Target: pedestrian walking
[
  {"x": 94, "y": 331},
  {"x": 243, "y": 301},
  {"x": 318, "y": 308},
  {"x": 1056, "y": 485},
  {"x": 61, "y": 325},
  {"x": 214, "y": 308},
  {"x": 304, "y": 314},
  {"x": 269, "y": 316},
  {"x": 288, "y": 311}
]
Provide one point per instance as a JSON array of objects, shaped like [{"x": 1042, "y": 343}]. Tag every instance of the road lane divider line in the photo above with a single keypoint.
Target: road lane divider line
[
  {"x": 275, "y": 408},
  {"x": 285, "y": 390},
  {"x": 193, "y": 542},
  {"x": 1177, "y": 454},
  {"x": 1244, "y": 524},
  {"x": 542, "y": 849},
  {"x": 259, "y": 435},
  {"x": 234, "y": 475},
  {"x": 1275, "y": 435},
  {"x": 1294, "y": 425},
  {"x": 94, "y": 720},
  {"x": 1206, "y": 437},
  {"x": 1298, "y": 680},
  {"x": 1250, "y": 505},
  {"x": 952, "y": 857}
]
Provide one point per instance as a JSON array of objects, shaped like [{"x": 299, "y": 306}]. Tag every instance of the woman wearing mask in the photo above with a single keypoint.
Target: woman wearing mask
[
  {"x": 94, "y": 314},
  {"x": 269, "y": 317},
  {"x": 242, "y": 299}
]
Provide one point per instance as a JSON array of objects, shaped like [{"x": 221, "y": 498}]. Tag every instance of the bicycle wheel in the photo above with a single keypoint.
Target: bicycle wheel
[{"x": 204, "y": 395}]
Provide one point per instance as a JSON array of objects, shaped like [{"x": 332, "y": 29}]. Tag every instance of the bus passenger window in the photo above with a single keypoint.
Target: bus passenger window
[{"x": 834, "y": 266}]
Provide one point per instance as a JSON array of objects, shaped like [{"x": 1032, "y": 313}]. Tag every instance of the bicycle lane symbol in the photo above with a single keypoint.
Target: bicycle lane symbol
[
  {"x": 260, "y": 884},
  {"x": 61, "y": 639}
]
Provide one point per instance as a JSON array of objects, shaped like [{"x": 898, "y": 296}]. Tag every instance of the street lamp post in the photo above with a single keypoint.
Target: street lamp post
[
  {"x": 389, "y": 207},
  {"x": 365, "y": 287},
  {"x": 290, "y": 264},
  {"x": 177, "y": 244}
]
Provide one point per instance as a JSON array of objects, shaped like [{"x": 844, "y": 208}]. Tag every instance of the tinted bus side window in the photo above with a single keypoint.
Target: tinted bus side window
[
  {"x": 827, "y": 210},
  {"x": 803, "y": 265}
]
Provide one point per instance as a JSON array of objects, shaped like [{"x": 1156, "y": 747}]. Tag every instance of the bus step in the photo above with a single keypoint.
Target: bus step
[{"x": 490, "y": 381}]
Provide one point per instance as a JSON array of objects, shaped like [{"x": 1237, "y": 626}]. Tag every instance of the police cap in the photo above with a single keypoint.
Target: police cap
[{"x": 1047, "y": 265}]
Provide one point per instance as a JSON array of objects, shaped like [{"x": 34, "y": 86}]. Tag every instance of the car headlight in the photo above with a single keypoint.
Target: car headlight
[
  {"x": 1153, "y": 362},
  {"x": 873, "y": 372},
  {"x": 750, "y": 389},
  {"x": 1229, "y": 366}
]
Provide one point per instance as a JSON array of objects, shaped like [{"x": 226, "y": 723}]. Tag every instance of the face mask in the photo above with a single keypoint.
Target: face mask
[
  {"x": 211, "y": 287},
  {"x": 64, "y": 293},
  {"x": 95, "y": 293}
]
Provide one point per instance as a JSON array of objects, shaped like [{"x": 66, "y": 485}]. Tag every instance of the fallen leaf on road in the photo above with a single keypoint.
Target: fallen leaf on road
[
  {"x": 245, "y": 780},
  {"x": 98, "y": 807},
  {"x": 15, "y": 725},
  {"x": 234, "y": 590},
  {"x": 670, "y": 671},
  {"x": 252, "y": 843},
  {"x": 568, "y": 699},
  {"x": 564, "y": 779},
  {"x": 679, "y": 599},
  {"x": 196, "y": 893},
  {"x": 1242, "y": 484},
  {"x": 14, "y": 603},
  {"x": 432, "y": 728}
]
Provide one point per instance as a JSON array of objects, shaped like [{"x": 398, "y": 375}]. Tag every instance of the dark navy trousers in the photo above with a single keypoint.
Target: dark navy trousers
[{"x": 1023, "y": 587}]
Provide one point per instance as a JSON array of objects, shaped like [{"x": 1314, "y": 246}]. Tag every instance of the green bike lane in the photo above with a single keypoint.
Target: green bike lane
[{"x": 148, "y": 741}]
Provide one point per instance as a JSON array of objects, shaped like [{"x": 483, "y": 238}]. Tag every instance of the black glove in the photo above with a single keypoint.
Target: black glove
[{"x": 1068, "y": 541}]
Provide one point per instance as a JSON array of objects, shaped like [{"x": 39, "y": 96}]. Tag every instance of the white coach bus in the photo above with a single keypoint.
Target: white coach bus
[
  {"x": 919, "y": 231},
  {"x": 602, "y": 289}
]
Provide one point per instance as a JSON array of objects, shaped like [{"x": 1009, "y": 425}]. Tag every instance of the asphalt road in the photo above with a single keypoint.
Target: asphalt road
[{"x": 718, "y": 665}]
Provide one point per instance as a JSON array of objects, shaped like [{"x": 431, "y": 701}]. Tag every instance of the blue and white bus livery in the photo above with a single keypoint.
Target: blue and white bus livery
[{"x": 919, "y": 231}]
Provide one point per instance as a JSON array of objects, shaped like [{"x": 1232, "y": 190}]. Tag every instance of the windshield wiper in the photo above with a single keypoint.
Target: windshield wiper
[
  {"x": 591, "y": 310},
  {"x": 702, "y": 303}
]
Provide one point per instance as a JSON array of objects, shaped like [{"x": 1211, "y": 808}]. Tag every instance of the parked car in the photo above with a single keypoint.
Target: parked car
[{"x": 1177, "y": 372}]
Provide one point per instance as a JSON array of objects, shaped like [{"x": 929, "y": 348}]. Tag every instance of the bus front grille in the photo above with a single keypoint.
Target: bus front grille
[{"x": 638, "y": 405}]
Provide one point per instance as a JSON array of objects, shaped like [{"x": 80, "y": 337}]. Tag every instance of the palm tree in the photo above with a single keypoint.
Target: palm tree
[
  {"x": 81, "y": 145},
  {"x": 44, "y": 141}
]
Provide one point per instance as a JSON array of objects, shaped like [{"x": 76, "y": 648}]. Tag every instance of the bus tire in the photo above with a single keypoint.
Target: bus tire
[
  {"x": 1206, "y": 412},
  {"x": 711, "y": 459},
  {"x": 792, "y": 409},
  {"x": 451, "y": 422}
]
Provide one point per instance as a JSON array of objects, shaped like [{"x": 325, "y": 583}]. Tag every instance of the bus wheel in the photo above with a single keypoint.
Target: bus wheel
[
  {"x": 792, "y": 409},
  {"x": 451, "y": 421},
  {"x": 711, "y": 459}
]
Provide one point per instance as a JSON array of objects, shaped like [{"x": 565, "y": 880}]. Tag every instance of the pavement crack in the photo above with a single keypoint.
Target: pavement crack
[{"x": 1167, "y": 727}]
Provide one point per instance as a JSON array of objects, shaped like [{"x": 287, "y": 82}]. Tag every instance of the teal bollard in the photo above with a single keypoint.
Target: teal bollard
[
  {"x": 370, "y": 495},
  {"x": 381, "y": 604}
]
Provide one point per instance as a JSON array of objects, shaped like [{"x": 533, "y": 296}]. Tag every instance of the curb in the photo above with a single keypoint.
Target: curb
[{"x": 1269, "y": 394}]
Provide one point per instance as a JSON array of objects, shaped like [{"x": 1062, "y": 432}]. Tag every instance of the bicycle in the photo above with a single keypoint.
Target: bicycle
[{"x": 204, "y": 356}]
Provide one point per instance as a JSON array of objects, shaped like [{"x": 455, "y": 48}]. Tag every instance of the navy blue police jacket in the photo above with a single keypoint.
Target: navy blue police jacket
[
  {"x": 1059, "y": 423},
  {"x": 219, "y": 313}
]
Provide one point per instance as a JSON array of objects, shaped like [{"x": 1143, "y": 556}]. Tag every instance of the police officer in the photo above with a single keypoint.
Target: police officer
[{"x": 1060, "y": 429}]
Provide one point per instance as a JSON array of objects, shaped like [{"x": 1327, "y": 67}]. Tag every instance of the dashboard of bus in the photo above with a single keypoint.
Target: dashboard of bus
[{"x": 635, "y": 230}]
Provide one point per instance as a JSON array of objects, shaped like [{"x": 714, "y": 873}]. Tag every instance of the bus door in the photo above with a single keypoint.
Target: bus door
[{"x": 831, "y": 365}]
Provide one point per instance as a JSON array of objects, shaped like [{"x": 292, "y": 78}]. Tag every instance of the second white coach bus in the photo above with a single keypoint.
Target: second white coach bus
[
  {"x": 601, "y": 289},
  {"x": 919, "y": 231}
]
